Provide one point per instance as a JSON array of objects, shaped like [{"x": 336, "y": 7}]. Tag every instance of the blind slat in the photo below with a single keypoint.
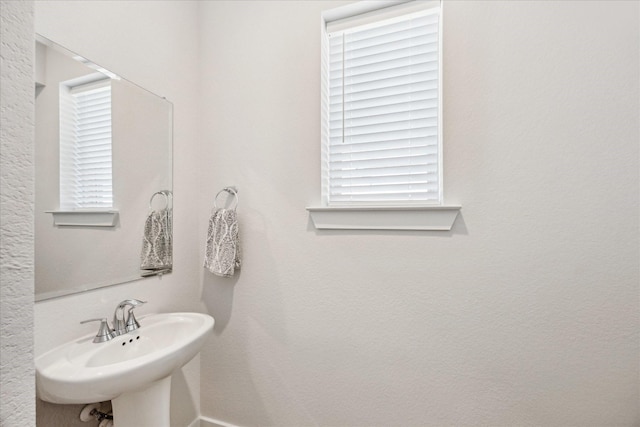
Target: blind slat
[
  {"x": 387, "y": 179},
  {"x": 383, "y": 92},
  {"x": 377, "y": 145},
  {"x": 382, "y": 136},
  {"x": 394, "y": 152},
  {"x": 413, "y": 161}
]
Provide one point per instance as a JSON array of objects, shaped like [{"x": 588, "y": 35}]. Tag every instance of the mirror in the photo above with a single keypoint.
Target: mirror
[{"x": 103, "y": 196}]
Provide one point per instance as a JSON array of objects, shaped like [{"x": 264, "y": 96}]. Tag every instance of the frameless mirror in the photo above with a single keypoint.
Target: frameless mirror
[{"x": 103, "y": 196}]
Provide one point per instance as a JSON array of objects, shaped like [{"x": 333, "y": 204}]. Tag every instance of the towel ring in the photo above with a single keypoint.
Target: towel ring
[
  {"x": 165, "y": 193},
  {"x": 232, "y": 191}
]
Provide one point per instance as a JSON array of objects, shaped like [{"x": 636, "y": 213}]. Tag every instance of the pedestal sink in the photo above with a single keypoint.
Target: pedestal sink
[{"x": 132, "y": 370}]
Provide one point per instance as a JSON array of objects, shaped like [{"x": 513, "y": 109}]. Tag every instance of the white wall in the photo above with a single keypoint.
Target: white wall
[
  {"x": 16, "y": 214},
  {"x": 526, "y": 313},
  {"x": 152, "y": 43}
]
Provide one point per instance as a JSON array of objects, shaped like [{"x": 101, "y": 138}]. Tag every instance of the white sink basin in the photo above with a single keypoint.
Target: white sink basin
[{"x": 85, "y": 372}]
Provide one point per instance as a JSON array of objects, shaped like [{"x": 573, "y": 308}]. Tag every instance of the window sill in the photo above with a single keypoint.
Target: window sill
[
  {"x": 429, "y": 218},
  {"x": 107, "y": 218}
]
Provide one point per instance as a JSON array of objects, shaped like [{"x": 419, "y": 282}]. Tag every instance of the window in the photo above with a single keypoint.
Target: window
[
  {"x": 382, "y": 118},
  {"x": 382, "y": 105},
  {"x": 85, "y": 146}
]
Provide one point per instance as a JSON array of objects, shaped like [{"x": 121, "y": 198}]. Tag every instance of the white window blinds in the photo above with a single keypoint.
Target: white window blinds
[
  {"x": 381, "y": 110},
  {"x": 85, "y": 146}
]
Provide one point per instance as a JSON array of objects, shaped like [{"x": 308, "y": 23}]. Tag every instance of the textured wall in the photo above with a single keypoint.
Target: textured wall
[
  {"x": 16, "y": 214},
  {"x": 525, "y": 314}
]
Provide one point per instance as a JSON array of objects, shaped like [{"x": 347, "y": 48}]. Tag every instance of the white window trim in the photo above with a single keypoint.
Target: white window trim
[
  {"x": 95, "y": 218},
  {"x": 428, "y": 217},
  {"x": 424, "y": 218}
]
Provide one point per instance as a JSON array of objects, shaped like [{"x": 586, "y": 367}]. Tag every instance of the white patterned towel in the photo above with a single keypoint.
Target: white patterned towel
[
  {"x": 222, "y": 253},
  {"x": 157, "y": 242}
]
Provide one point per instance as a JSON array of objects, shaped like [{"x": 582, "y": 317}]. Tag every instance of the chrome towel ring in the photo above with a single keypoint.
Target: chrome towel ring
[
  {"x": 232, "y": 191},
  {"x": 167, "y": 195}
]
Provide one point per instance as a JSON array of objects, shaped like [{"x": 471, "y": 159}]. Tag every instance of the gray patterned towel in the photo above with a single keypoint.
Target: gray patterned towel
[
  {"x": 157, "y": 243},
  {"x": 222, "y": 253}
]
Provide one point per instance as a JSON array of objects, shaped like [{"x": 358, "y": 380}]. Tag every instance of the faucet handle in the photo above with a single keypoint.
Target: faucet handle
[
  {"x": 132, "y": 323},
  {"x": 131, "y": 303},
  {"x": 104, "y": 333},
  {"x": 135, "y": 302}
]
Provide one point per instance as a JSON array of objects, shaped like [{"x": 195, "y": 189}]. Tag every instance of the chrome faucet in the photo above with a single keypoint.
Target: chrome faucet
[
  {"x": 122, "y": 326},
  {"x": 104, "y": 333}
]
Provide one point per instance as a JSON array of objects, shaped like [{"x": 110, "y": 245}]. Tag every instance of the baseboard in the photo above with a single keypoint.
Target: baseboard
[{"x": 210, "y": 422}]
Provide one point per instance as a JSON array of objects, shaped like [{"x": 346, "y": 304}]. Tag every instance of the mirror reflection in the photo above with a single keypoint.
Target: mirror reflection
[{"x": 104, "y": 201}]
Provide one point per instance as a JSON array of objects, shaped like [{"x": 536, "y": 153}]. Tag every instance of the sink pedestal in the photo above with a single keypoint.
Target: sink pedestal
[{"x": 146, "y": 407}]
